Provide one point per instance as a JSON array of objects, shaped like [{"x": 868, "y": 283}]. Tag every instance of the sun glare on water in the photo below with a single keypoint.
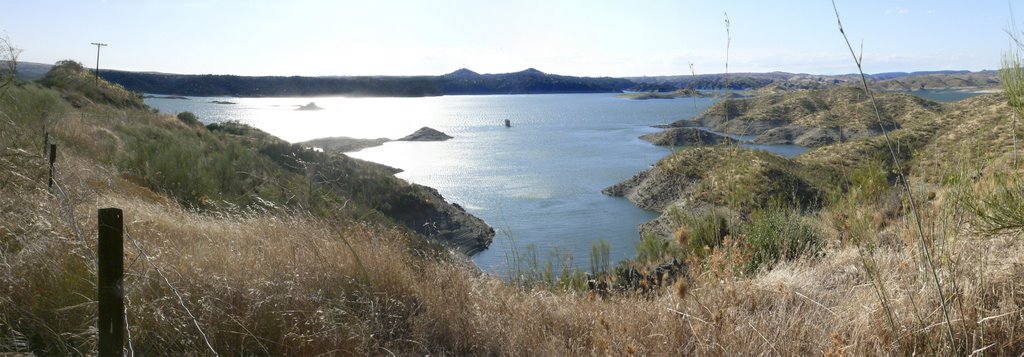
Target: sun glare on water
[{"x": 340, "y": 116}]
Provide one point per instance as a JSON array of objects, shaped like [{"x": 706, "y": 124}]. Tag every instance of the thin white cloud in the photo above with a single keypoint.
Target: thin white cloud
[{"x": 897, "y": 11}]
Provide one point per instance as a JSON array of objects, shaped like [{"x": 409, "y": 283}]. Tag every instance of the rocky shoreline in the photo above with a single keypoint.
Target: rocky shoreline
[
  {"x": 424, "y": 209},
  {"x": 693, "y": 181},
  {"x": 447, "y": 223}
]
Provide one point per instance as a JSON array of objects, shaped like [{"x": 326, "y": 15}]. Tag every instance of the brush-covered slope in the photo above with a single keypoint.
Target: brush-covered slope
[
  {"x": 932, "y": 142},
  {"x": 697, "y": 179},
  {"x": 816, "y": 118},
  {"x": 940, "y": 80},
  {"x": 979, "y": 132},
  {"x": 975, "y": 132},
  {"x": 231, "y": 164},
  {"x": 81, "y": 88}
]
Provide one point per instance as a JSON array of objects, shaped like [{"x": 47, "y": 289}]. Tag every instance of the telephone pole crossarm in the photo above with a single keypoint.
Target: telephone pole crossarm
[{"x": 98, "y": 45}]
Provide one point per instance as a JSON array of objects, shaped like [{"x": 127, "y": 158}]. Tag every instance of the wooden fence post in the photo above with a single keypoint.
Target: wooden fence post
[
  {"x": 111, "y": 277},
  {"x": 53, "y": 158}
]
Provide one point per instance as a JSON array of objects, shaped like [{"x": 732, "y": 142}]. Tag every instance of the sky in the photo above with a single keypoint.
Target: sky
[{"x": 583, "y": 38}]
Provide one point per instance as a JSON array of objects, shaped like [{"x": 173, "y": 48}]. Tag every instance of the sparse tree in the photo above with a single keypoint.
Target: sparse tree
[{"x": 9, "y": 61}]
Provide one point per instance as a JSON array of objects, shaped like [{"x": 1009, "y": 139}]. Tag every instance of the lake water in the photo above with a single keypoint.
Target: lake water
[
  {"x": 537, "y": 183},
  {"x": 941, "y": 95}
]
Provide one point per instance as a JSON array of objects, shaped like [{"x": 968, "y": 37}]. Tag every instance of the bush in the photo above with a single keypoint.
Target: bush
[
  {"x": 999, "y": 209},
  {"x": 870, "y": 180},
  {"x": 700, "y": 232},
  {"x": 82, "y": 88},
  {"x": 652, "y": 249},
  {"x": 189, "y": 119},
  {"x": 779, "y": 233}
]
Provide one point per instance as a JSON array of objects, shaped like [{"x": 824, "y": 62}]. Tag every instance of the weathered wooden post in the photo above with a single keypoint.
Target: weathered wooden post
[
  {"x": 111, "y": 277},
  {"x": 53, "y": 158}
]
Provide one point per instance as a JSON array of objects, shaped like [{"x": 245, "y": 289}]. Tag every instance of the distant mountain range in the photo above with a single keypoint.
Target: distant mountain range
[
  {"x": 462, "y": 81},
  {"x": 529, "y": 81}
]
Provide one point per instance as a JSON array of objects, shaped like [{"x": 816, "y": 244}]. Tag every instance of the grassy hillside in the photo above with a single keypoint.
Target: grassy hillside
[
  {"x": 279, "y": 262},
  {"x": 816, "y": 118},
  {"x": 235, "y": 165},
  {"x": 774, "y": 82},
  {"x": 749, "y": 208},
  {"x": 960, "y": 80},
  {"x": 841, "y": 106}
]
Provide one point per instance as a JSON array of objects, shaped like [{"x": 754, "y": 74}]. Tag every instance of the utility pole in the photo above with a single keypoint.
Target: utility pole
[{"x": 98, "y": 45}]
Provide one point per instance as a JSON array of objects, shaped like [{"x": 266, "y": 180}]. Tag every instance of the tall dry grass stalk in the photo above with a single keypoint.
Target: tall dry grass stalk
[{"x": 924, "y": 244}]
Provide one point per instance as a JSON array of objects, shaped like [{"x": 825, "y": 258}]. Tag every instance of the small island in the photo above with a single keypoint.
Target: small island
[
  {"x": 426, "y": 134},
  {"x": 310, "y": 106},
  {"x": 679, "y": 93},
  {"x": 178, "y": 97},
  {"x": 221, "y": 102},
  {"x": 348, "y": 144},
  {"x": 344, "y": 143}
]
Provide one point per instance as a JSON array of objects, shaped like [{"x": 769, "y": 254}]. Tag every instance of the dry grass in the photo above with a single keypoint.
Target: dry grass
[{"x": 277, "y": 283}]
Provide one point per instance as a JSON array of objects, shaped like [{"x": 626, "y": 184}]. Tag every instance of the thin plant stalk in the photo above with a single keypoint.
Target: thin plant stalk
[
  {"x": 879, "y": 287},
  {"x": 728, "y": 43},
  {"x": 903, "y": 180},
  {"x": 693, "y": 87}
]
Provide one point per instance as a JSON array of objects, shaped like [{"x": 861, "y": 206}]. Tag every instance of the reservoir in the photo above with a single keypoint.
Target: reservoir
[{"x": 537, "y": 182}]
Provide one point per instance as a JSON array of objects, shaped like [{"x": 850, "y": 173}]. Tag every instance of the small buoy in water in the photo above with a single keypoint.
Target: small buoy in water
[{"x": 508, "y": 123}]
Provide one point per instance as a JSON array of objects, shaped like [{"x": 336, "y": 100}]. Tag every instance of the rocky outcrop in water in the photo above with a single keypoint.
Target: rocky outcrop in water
[
  {"x": 446, "y": 223},
  {"x": 426, "y": 134},
  {"x": 309, "y": 106},
  {"x": 344, "y": 143}
]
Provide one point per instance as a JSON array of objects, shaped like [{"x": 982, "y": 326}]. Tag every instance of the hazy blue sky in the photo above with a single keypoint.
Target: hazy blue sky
[{"x": 615, "y": 38}]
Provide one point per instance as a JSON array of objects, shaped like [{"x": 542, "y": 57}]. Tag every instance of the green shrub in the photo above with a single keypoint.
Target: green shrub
[
  {"x": 599, "y": 258},
  {"x": 870, "y": 180},
  {"x": 25, "y": 113},
  {"x": 189, "y": 119},
  {"x": 652, "y": 249},
  {"x": 779, "y": 233},
  {"x": 82, "y": 88},
  {"x": 554, "y": 273},
  {"x": 699, "y": 232},
  {"x": 999, "y": 209}
]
